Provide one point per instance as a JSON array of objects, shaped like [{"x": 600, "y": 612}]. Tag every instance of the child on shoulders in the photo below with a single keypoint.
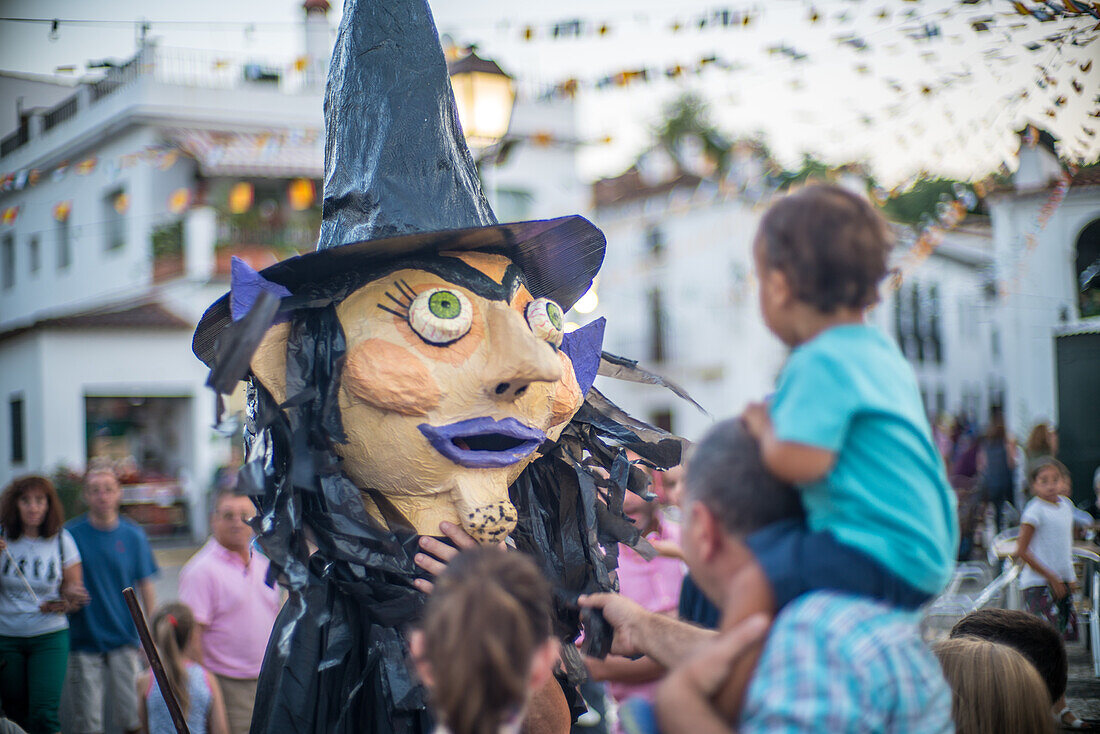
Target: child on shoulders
[{"x": 846, "y": 424}]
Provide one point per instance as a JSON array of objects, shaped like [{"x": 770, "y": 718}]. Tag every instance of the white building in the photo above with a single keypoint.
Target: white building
[
  {"x": 107, "y": 258},
  {"x": 1049, "y": 302},
  {"x": 680, "y": 294},
  {"x": 124, "y": 198},
  {"x": 943, "y": 318},
  {"x": 677, "y": 290}
]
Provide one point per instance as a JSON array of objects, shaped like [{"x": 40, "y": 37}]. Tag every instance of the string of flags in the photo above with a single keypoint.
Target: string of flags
[
  {"x": 949, "y": 213},
  {"x": 1007, "y": 286}
]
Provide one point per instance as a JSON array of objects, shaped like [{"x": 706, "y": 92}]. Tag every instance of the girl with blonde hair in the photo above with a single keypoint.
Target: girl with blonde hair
[
  {"x": 196, "y": 690},
  {"x": 995, "y": 690}
]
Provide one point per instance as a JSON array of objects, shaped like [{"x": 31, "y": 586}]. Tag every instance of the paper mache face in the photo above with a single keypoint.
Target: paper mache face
[{"x": 450, "y": 384}]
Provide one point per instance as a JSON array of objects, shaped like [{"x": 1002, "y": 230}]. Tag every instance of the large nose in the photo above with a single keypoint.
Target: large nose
[{"x": 517, "y": 358}]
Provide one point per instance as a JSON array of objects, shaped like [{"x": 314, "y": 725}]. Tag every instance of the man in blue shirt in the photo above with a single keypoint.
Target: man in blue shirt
[
  {"x": 105, "y": 663},
  {"x": 832, "y": 661}
]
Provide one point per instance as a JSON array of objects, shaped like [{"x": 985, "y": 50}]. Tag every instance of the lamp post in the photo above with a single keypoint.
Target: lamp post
[{"x": 484, "y": 95}]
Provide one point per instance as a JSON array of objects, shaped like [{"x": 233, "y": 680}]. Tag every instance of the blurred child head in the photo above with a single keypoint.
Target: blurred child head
[
  {"x": 486, "y": 641},
  {"x": 1031, "y": 636},
  {"x": 995, "y": 690},
  {"x": 173, "y": 634},
  {"x": 822, "y": 250},
  {"x": 1048, "y": 478}
]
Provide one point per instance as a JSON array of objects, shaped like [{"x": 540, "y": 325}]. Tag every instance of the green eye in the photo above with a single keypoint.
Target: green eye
[
  {"x": 545, "y": 319},
  {"x": 553, "y": 311},
  {"x": 440, "y": 316},
  {"x": 444, "y": 305}
]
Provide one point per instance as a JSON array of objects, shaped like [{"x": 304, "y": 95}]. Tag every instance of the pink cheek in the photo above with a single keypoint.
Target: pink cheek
[
  {"x": 390, "y": 378},
  {"x": 567, "y": 394}
]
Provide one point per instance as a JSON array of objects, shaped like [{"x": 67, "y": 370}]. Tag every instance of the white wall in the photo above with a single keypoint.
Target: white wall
[
  {"x": 96, "y": 273},
  {"x": 21, "y": 375},
  {"x": 548, "y": 172},
  {"x": 717, "y": 346},
  {"x": 1042, "y": 295},
  {"x": 969, "y": 368},
  {"x": 57, "y": 369}
]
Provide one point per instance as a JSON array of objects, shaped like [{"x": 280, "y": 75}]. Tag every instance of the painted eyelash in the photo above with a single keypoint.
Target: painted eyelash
[{"x": 406, "y": 292}]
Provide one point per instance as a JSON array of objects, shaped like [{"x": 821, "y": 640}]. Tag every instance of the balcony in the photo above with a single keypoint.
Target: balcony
[
  {"x": 59, "y": 114},
  {"x": 175, "y": 67}
]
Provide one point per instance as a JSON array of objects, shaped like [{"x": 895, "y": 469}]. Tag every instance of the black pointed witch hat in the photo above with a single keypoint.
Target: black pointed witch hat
[{"x": 399, "y": 179}]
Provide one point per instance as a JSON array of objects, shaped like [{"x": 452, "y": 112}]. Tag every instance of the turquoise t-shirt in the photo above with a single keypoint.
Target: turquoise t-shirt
[{"x": 850, "y": 391}]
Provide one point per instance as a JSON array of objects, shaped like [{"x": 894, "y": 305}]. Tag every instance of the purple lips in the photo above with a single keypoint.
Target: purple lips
[{"x": 484, "y": 443}]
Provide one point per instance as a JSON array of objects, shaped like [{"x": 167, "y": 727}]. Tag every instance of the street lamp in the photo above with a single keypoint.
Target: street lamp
[{"x": 484, "y": 95}]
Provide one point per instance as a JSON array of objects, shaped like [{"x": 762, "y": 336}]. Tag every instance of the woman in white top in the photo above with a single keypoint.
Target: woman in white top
[
  {"x": 40, "y": 580},
  {"x": 1045, "y": 546}
]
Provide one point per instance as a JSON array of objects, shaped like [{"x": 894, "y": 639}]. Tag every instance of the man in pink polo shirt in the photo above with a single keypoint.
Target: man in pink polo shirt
[{"x": 224, "y": 586}]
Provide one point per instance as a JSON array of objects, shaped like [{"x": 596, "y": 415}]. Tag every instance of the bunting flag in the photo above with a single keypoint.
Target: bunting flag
[
  {"x": 11, "y": 213},
  {"x": 1007, "y": 286},
  {"x": 179, "y": 200},
  {"x": 301, "y": 194},
  {"x": 86, "y": 166},
  {"x": 240, "y": 197},
  {"x": 62, "y": 209}
]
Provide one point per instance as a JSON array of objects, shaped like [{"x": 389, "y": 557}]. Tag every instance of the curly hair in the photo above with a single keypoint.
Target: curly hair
[
  {"x": 10, "y": 520},
  {"x": 831, "y": 245}
]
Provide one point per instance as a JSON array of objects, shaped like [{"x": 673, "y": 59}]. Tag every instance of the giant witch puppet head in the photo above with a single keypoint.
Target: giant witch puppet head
[{"x": 413, "y": 370}]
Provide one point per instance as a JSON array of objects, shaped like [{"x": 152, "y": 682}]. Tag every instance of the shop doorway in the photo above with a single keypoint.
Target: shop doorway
[{"x": 147, "y": 440}]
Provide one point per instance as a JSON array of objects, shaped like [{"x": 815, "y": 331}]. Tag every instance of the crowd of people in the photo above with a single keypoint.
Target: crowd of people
[
  {"x": 68, "y": 642},
  {"x": 794, "y": 551}
]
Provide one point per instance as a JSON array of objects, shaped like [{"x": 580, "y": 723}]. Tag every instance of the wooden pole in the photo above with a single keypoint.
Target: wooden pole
[{"x": 154, "y": 661}]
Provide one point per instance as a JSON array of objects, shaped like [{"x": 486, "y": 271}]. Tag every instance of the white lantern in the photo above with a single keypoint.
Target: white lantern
[{"x": 484, "y": 95}]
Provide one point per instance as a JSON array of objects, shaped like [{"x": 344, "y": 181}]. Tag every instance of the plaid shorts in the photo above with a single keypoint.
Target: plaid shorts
[{"x": 1040, "y": 601}]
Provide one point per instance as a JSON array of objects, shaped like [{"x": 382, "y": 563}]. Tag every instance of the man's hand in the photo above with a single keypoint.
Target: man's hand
[
  {"x": 756, "y": 419},
  {"x": 437, "y": 554},
  {"x": 1058, "y": 588},
  {"x": 625, "y": 615},
  {"x": 683, "y": 700}
]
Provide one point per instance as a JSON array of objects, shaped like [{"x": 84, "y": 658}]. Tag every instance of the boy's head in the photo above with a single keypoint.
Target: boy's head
[
  {"x": 1032, "y": 636},
  {"x": 824, "y": 248},
  {"x": 728, "y": 494},
  {"x": 1048, "y": 478}
]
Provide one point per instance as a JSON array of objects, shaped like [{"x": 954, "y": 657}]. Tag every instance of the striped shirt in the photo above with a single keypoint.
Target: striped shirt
[{"x": 839, "y": 663}]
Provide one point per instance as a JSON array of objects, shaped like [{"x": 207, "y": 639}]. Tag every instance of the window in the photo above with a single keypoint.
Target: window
[
  {"x": 64, "y": 244},
  {"x": 934, "y": 321},
  {"x": 1088, "y": 271},
  {"x": 7, "y": 260},
  {"x": 115, "y": 205},
  {"x": 918, "y": 322},
  {"x": 18, "y": 434},
  {"x": 654, "y": 241},
  {"x": 662, "y": 419},
  {"x": 35, "y": 254},
  {"x": 656, "y": 326}
]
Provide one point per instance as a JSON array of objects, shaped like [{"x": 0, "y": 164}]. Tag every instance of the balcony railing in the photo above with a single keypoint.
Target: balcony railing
[
  {"x": 60, "y": 113},
  {"x": 180, "y": 67},
  {"x": 288, "y": 239}
]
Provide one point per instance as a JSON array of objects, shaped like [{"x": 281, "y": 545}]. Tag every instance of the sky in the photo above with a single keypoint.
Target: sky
[{"x": 899, "y": 85}]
